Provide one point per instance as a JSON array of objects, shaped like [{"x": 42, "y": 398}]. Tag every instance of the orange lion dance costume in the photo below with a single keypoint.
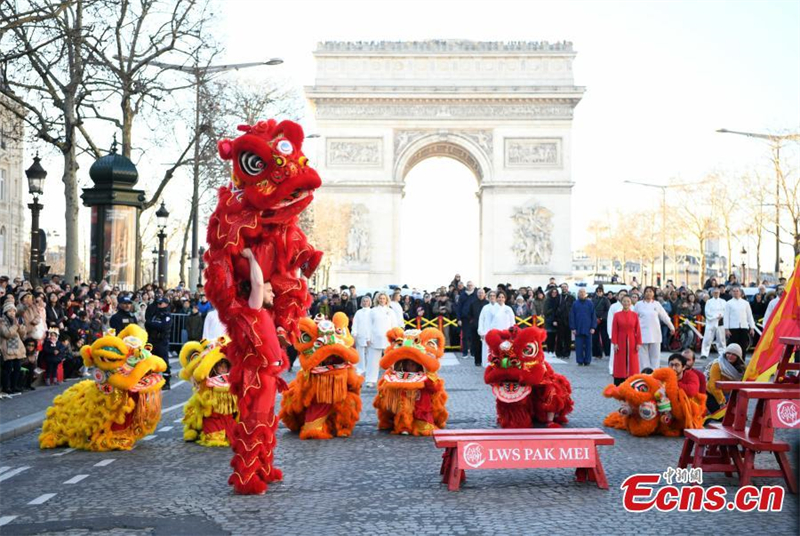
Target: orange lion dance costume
[
  {"x": 654, "y": 404},
  {"x": 411, "y": 397},
  {"x": 526, "y": 387},
  {"x": 270, "y": 185},
  {"x": 325, "y": 398}
]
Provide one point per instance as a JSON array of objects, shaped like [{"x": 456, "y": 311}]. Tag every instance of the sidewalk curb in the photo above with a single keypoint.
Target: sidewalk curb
[{"x": 20, "y": 426}]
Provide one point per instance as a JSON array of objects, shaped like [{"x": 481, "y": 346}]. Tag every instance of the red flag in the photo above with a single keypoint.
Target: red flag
[{"x": 784, "y": 322}]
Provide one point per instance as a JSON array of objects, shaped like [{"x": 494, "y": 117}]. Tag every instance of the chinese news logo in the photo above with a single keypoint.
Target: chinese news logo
[{"x": 641, "y": 494}]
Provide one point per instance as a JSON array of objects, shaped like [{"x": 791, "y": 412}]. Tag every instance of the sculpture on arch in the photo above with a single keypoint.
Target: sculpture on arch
[{"x": 533, "y": 235}]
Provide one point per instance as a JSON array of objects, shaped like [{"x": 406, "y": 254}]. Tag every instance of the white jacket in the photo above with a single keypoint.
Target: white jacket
[
  {"x": 398, "y": 312},
  {"x": 495, "y": 317},
  {"x": 614, "y": 309},
  {"x": 738, "y": 315},
  {"x": 381, "y": 320},
  {"x": 649, "y": 315},
  {"x": 715, "y": 310},
  {"x": 362, "y": 327}
]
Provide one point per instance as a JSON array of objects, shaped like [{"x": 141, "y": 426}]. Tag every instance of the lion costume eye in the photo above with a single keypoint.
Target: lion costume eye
[
  {"x": 639, "y": 385},
  {"x": 530, "y": 349},
  {"x": 305, "y": 338},
  {"x": 251, "y": 163},
  {"x": 284, "y": 146},
  {"x": 647, "y": 411},
  {"x": 398, "y": 342}
]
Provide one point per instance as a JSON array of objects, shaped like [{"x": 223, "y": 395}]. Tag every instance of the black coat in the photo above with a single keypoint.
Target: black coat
[{"x": 474, "y": 312}]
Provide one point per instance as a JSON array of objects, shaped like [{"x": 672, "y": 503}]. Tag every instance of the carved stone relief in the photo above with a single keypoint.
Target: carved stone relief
[
  {"x": 336, "y": 109},
  {"x": 403, "y": 138},
  {"x": 354, "y": 152},
  {"x": 533, "y": 152},
  {"x": 533, "y": 230},
  {"x": 358, "y": 243}
]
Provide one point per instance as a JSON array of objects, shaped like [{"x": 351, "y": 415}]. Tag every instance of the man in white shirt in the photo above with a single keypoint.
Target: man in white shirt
[
  {"x": 738, "y": 320},
  {"x": 397, "y": 308},
  {"x": 714, "y": 333},
  {"x": 213, "y": 328}
]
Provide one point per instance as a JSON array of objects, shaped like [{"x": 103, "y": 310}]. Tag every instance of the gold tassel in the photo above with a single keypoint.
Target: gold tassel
[
  {"x": 396, "y": 397},
  {"x": 329, "y": 388},
  {"x": 223, "y": 402}
]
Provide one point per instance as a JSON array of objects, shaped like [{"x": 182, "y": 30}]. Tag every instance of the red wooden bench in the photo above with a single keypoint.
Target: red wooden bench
[
  {"x": 522, "y": 448},
  {"x": 732, "y": 445},
  {"x": 712, "y": 450}
]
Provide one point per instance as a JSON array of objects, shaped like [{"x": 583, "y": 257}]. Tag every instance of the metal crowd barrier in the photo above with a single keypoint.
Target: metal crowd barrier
[{"x": 179, "y": 336}]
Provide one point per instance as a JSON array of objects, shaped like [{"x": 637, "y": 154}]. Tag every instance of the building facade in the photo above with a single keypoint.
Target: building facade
[
  {"x": 12, "y": 196},
  {"x": 504, "y": 110}
]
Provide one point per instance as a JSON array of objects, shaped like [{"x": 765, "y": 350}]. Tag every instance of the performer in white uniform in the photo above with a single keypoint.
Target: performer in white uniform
[
  {"x": 382, "y": 319},
  {"x": 361, "y": 332},
  {"x": 650, "y": 313},
  {"x": 495, "y": 315},
  {"x": 714, "y": 311}
]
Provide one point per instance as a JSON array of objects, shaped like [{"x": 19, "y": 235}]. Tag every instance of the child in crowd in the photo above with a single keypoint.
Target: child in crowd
[{"x": 52, "y": 354}]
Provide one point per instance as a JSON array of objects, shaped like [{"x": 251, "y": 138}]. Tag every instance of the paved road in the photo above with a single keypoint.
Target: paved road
[{"x": 372, "y": 483}]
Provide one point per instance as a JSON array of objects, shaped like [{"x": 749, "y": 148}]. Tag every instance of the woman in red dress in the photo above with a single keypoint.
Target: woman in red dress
[{"x": 626, "y": 336}]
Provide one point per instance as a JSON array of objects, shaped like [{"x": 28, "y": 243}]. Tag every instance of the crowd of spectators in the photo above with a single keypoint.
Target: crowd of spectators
[{"x": 43, "y": 328}]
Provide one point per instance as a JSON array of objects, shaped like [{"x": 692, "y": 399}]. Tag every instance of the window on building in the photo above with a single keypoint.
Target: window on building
[{"x": 2, "y": 246}]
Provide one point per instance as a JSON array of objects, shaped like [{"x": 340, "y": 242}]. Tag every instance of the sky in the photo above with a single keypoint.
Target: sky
[{"x": 660, "y": 77}]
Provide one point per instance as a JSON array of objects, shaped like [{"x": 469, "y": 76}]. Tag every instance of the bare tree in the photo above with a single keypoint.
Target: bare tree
[
  {"x": 326, "y": 224},
  {"x": 699, "y": 211},
  {"x": 45, "y": 87}
]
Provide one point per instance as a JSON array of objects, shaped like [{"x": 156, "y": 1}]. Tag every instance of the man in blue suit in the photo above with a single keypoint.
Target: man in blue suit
[{"x": 582, "y": 322}]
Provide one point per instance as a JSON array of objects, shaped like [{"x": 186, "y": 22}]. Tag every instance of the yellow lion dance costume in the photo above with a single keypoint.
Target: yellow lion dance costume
[
  {"x": 120, "y": 406},
  {"x": 325, "y": 397},
  {"x": 654, "y": 404},
  {"x": 411, "y": 397},
  {"x": 210, "y": 414}
]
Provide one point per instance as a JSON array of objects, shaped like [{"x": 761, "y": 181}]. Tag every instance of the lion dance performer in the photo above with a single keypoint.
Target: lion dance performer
[
  {"x": 325, "y": 398},
  {"x": 255, "y": 259},
  {"x": 411, "y": 397},
  {"x": 121, "y": 405},
  {"x": 210, "y": 414},
  {"x": 654, "y": 404},
  {"x": 526, "y": 387}
]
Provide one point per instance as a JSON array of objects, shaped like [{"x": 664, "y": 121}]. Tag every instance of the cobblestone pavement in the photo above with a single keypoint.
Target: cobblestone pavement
[{"x": 371, "y": 483}]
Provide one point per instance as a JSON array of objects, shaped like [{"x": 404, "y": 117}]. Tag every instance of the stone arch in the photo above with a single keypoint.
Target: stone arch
[{"x": 448, "y": 144}]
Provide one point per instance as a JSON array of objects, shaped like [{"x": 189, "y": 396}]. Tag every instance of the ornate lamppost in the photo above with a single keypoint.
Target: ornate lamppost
[
  {"x": 744, "y": 266},
  {"x": 154, "y": 276},
  {"x": 36, "y": 175},
  {"x": 162, "y": 216}
]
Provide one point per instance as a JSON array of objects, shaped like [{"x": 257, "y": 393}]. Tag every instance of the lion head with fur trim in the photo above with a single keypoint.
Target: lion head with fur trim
[
  {"x": 123, "y": 361},
  {"x": 653, "y": 404}
]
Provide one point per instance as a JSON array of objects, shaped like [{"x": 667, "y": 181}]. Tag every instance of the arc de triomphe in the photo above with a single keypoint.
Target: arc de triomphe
[{"x": 502, "y": 109}]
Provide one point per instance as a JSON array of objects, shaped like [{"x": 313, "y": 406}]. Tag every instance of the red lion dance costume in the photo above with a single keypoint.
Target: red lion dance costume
[
  {"x": 525, "y": 386},
  {"x": 270, "y": 185}
]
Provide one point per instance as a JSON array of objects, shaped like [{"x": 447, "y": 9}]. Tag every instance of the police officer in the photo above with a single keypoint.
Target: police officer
[
  {"x": 124, "y": 315},
  {"x": 159, "y": 328}
]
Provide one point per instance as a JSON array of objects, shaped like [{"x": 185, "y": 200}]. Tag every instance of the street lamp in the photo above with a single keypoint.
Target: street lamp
[
  {"x": 776, "y": 146},
  {"x": 744, "y": 264},
  {"x": 663, "y": 188},
  {"x": 162, "y": 215},
  {"x": 154, "y": 254},
  {"x": 199, "y": 74},
  {"x": 36, "y": 175}
]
